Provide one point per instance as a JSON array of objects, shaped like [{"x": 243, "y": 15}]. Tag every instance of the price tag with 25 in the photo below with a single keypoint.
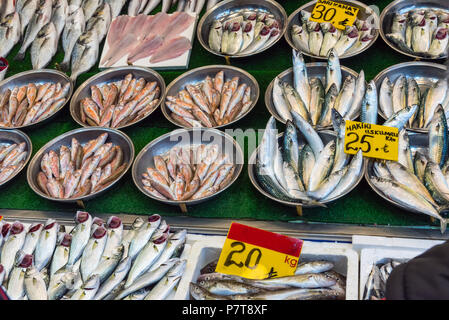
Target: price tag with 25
[
  {"x": 258, "y": 254},
  {"x": 340, "y": 15},
  {"x": 374, "y": 140}
]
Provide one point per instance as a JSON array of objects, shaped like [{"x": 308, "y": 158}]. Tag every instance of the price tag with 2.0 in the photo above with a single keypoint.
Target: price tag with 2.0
[{"x": 258, "y": 254}]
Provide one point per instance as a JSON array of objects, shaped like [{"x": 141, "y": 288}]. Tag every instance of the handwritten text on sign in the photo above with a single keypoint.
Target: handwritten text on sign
[
  {"x": 258, "y": 254},
  {"x": 374, "y": 140},
  {"x": 340, "y": 15}
]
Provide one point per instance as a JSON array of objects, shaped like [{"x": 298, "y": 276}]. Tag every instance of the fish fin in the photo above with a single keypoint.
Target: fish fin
[
  {"x": 315, "y": 203},
  {"x": 443, "y": 224}
]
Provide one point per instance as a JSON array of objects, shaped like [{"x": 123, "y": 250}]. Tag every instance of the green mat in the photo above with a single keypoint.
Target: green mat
[{"x": 241, "y": 200}]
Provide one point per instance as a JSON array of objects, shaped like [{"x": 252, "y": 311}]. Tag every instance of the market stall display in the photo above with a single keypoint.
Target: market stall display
[
  {"x": 306, "y": 170},
  {"x": 15, "y": 152},
  {"x": 241, "y": 28},
  {"x": 210, "y": 96},
  {"x": 33, "y": 97},
  {"x": 80, "y": 164},
  {"x": 93, "y": 260},
  {"x": 313, "y": 89},
  {"x": 413, "y": 83},
  {"x": 418, "y": 29},
  {"x": 118, "y": 98},
  {"x": 316, "y": 39},
  {"x": 203, "y": 164}
]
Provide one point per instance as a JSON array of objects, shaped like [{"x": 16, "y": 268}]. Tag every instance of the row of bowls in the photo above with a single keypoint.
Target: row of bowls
[
  {"x": 161, "y": 145},
  {"x": 384, "y": 21}
]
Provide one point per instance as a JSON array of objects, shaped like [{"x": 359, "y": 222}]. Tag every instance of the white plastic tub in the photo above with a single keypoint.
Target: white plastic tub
[{"x": 342, "y": 255}]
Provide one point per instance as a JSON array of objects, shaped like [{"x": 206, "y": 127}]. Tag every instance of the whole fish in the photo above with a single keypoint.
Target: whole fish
[
  {"x": 435, "y": 97},
  {"x": 300, "y": 38},
  {"x": 229, "y": 287},
  {"x": 10, "y": 31},
  {"x": 386, "y": 97},
  {"x": 41, "y": 17},
  {"x": 143, "y": 235},
  {"x": 439, "y": 44},
  {"x": 34, "y": 284},
  {"x": 61, "y": 254},
  {"x": 215, "y": 34},
  {"x": 360, "y": 90},
  {"x": 330, "y": 39},
  {"x": 44, "y": 46},
  {"x": 305, "y": 281},
  {"x": 100, "y": 21},
  {"x": 300, "y": 78},
  {"x": 347, "y": 40},
  {"x": 333, "y": 71},
  {"x": 312, "y": 137},
  {"x": 316, "y": 100},
  {"x": 129, "y": 236},
  {"x": 46, "y": 244},
  {"x": 421, "y": 36},
  {"x": 61, "y": 282},
  {"x": 295, "y": 102},
  {"x": 16, "y": 287},
  {"x": 80, "y": 236},
  {"x": 107, "y": 264},
  {"x": 85, "y": 54},
  {"x": 345, "y": 98},
  {"x": 115, "y": 279},
  {"x": 165, "y": 286},
  {"x": 314, "y": 267},
  {"x": 88, "y": 290},
  {"x": 73, "y": 29},
  {"x": 26, "y": 10},
  {"x": 350, "y": 177},
  {"x": 280, "y": 104},
  {"x": 93, "y": 252},
  {"x": 438, "y": 138},
  {"x": 315, "y": 40},
  {"x": 12, "y": 244},
  {"x": 174, "y": 246},
  {"x": 114, "y": 235},
  {"x": 323, "y": 165},
  {"x": 59, "y": 16},
  {"x": 89, "y": 7},
  {"x": 370, "y": 104},
  {"x": 149, "y": 278},
  {"x": 400, "y": 118},
  {"x": 32, "y": 237}
]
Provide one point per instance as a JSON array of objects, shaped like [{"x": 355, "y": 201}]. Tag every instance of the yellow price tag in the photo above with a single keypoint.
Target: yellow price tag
[
  {"x": 258, "y": 254},
  {"x": 1, "y": 217},
  {"x": 340, "y": 15},
  {"x": 374, "y": 140}
]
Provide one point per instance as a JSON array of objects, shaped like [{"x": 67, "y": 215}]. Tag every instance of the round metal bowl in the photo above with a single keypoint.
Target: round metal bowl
[
  {"x": 364, "y": 12},
  {"x": 112, "y": 75},
  {"x": 182, "y": 137},
  {"x": 83, "y": 135},
  {"x": 326, "y": 136},
  {"x": 425, "y": 74},
  {"x": 403, "y": 6},
  {"x": 314, "y": 70},
  {"x": 37, "y": 77},
  {"x": 199, "y": 74},
  {"x": 228, "y": 7},
  {"x": 8, "y": 137},
  {"x": 418, "y": 142}
]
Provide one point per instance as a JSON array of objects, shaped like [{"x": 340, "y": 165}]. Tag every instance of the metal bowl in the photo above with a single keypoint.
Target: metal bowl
[
  {"x": 402, "y": 6},
  {"x": 326, "y": 136},
  {"x": 183, "y": 137},
  {"x": 112, "y": 75},
  {"x": 37, "y": 77},
  {"x": 83, "y": 135},
  {"x": 8, "y": 137},
  {"x": 364, "y": 12},
  {"x": 418, "y": 142},
  {"x": 230, "y": 6},
  {"x": 425, "y": 74},
  {"x": 314, "y": 70},
  {"x": 199, "y": 74}
]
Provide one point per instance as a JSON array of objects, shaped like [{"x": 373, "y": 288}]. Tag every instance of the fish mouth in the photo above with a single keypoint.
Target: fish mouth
[
  {"x": 154, "y": 217},
  {"x": 16, "y": 228},
  {"x": 82, "y": 216},
  {"x": 114, "y": 222}
]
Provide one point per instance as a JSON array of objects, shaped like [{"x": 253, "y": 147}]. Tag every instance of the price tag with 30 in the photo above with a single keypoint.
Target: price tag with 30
[
  {"x": 340, "y": 15},
  {"x": 374, "y": 140},
  {"x": 258, "y": 254}
]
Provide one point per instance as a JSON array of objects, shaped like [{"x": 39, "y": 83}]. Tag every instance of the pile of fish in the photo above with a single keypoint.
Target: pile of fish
[
  {"x": 188, "y": 173},
  {"x": 80, "y": 170},
  {"x": 40, "y": 24},
  {"x": 421, "y": 32},
  {"x": 419, "y": 180},
  {"x": 376, "y": 283},
  {"x": 306, "y": 172},
  {"x": 314, "y": 280},
  {"x": 12, "y": 158},
  {"x": 243, "y": 32},
  {"x": 314, "y": 99},
  {"x": 28, "y": 104},
  {"x": 137, "y": 7},
  {"x": 94, "y": 261},
  {"x": 154, "y": 38},
  {"x": 119, "y": 103},
  {"x": 319, "y": 38},
  {"x": 405, "y": 92},
  {"x": 211, "y": 102}
]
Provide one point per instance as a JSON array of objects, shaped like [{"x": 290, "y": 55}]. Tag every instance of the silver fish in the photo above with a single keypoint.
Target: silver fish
[
  {"x": 345, "y": 98},
  {"x": 61, "y": 254},
  {"x": 400, "y": 118},
  {"x": 360, "y": 89},
  {"x": 59, "y": 16},
  {"x": 10, "y": 33},
  {"x": 300, "y": 78},
  {"x": 114, "y": 235},
  {"x": 80, "y": 236},
  {"x": 93, "y": 252},
  {"x": 279, "y": 103},
  {"x": 312, "y": 137},
  {"x": 44, "y": 46},
  {"x": 16, "y": 287},
  {"x": 107, "y": 264},
  {"x": 100, "y": 21},
  {"x": 323, "y": 165},
  {"x": 351, "y": 176},
  {"x": 116, "y": 6},
  {"x": 386, "y": 97},
  {"x": 215, "y": 34},
  {"x": 314, "y": 267},
  {"x": 89, "y": 7},
  {"x": 34, "y": 284},
  {"x": 143, "y": 235},
  {"x": 305, "y": 281},
  {"x": 370, "y": 104},
  {"x": 115, "y": 279},
  {"x": 14, "y": 242},
  {"x": 85, "y": 54},
  {"x": 300, "y": 38},
  {"x": 60, "y": 282},
  {"x": 26, "y": 10},
  {"x": 129, "y": 236},
  {"x": 347, "y": 40},
  {"x": 333, "y": 71},
  {"x": 46, "y": 244},
  {"x": 165, "y": 286},
  {"x": 174, "y": 245},
  {"x": 88, "y": 290},
  {"x": 32, "y": 238},
  {"x": 73, "y": 29}
]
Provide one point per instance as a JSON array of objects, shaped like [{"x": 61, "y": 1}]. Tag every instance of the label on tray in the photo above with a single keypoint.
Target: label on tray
[
  {"x": 374, "y": 140},
  {"x": 339, "y": 14},
  {"x": 1, "y": 217},
  {"x": 258, "y": 254}
]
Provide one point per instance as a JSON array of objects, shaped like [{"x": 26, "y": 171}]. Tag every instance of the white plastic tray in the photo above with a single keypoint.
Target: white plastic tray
[
  {"x": 181, "y": 62},
  {"x": 342, "y": 255}
]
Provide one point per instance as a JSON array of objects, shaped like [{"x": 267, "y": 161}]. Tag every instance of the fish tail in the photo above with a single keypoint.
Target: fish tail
[
  {"x": 64, "y": 66},
  {"x": 20, "y": 56},
  {"x": 443, "y": 224},
  {"x": 315, "y": 203}
]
